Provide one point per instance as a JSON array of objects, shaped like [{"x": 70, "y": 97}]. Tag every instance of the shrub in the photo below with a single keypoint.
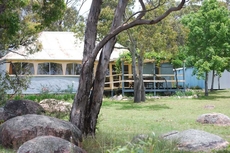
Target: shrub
[{"x": 186, "y": 93}]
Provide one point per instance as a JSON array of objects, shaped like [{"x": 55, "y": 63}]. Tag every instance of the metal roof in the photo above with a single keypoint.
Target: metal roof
[{"x": 57, "y": 46}]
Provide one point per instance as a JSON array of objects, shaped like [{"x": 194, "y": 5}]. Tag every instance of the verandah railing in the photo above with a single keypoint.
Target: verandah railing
[{"x": 158, "y": 81}]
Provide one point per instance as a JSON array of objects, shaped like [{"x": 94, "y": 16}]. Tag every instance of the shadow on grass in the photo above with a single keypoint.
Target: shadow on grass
[
  {"x": 216, "y": 94},
  {"x": 128, "y": 105},
  {"x": 210, "y": 97},
  {"x": 115, "y": 103},
  {"x": 140, "y": 107}
]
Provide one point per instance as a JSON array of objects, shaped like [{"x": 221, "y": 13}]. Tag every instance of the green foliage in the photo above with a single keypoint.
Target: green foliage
[
  {"x": 184, "y": 93},
  {"x": 39, "y": 97},
  {"x": 125, "y": 57},
  {"x": 208, "y": 39},
  {"x": 49, "y": 11},
  {"x": 20, "y": 21},
  {"x": 157, "y": 56},
  {"x": 178, "y": 58}
]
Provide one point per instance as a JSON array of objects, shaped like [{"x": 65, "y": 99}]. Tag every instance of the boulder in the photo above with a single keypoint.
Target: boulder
[
  {"x": 196, "y": 140},
  {"x": 214, "y": 118},
  {"x": 20, "y": 129},
  {"x": 53, "y": 105},
  {"x": 15, "y": 108},
  {"x": 49, "y": 144}
]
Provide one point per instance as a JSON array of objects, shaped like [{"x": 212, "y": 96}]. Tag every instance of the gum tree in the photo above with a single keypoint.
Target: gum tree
[{"x": 88, "y": 99}]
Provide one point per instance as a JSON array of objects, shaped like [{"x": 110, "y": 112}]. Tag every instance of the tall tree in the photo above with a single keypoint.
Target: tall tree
[
  {"x": 20, "y": 23},
  {"x": 88, "y": 99},
  {"x": 208, "y": 40}
]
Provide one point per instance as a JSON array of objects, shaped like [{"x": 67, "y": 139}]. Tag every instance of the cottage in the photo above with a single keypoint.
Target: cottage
[{"x": 55, "y": 68}]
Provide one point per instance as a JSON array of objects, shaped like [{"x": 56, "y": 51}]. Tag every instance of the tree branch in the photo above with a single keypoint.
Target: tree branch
[
  {"x": 16, "y": 53},
  {"x": 134, "y": 23},
  {"x": 143, "y": 11}
]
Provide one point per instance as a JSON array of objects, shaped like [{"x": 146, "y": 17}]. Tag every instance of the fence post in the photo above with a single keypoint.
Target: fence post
[
  {"x": 154, "y": 78},
  {"x": 122, "y": 76}
]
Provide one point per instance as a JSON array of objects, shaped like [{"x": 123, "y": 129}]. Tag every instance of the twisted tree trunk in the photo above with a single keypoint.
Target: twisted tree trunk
[
  {"x": 88, "y": 99},
  {"x": 79, "y": 112},
  {"x": 86, "y": 114}
]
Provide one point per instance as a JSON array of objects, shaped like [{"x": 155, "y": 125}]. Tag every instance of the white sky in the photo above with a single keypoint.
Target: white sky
[{"x": 85, "y": 9}]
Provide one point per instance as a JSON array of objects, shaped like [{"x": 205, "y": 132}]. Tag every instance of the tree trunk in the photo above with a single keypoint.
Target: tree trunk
[
  {"x": 87, "y": 105},
  {"x": 139, "y": 88},
  {"x": 141, "y": 82},
  {"x": 218, "y": 82},
  {"x": 206, "y": 83},
  {"x": 177, "y": 86},
  {"x": 79, "y": 109},
  {"x": 96, "y": 95},
  {"x": 213, "y": 77},
  {"x": 137, "y": 95}
]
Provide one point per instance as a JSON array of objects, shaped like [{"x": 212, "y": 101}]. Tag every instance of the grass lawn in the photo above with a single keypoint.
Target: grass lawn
[{"x": 119, "y": 121}]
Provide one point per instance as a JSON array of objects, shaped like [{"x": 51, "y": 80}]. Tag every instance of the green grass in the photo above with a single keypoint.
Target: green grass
[{"x": 120, "y": 121}]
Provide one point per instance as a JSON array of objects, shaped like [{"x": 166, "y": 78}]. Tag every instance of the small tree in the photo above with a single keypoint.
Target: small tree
[{"x": 208, "y": 39}]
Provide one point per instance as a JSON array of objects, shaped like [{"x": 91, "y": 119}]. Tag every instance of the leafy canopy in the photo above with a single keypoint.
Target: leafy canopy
[
  {"x": 21, "y": 20},
  {"x": 209, "y": 37}
]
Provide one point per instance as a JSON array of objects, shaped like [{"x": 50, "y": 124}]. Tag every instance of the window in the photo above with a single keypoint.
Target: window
[
  {"x": 50, "y": 69},
  {"x": 43, "y": 68},
  {"x": 73, "y": 69},
  {"x": 21, "y": 68},
  {"x": 126, "y": 69},
  {"x": 56, "y": 69}
]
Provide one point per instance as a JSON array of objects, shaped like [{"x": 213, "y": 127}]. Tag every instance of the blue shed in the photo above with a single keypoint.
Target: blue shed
[{"x": 191, "y": 80}]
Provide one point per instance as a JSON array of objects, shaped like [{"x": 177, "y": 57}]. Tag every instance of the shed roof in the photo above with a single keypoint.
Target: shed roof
[{"x": 57, "y": 46}]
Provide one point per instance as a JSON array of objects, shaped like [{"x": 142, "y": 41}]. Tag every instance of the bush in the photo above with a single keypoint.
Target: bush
[
  {"x": 39, "y": 97},
  {"x": 186, "y": 93}
]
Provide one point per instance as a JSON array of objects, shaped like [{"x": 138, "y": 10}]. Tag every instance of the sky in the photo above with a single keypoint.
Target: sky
[{"x": 86, "y": 7}]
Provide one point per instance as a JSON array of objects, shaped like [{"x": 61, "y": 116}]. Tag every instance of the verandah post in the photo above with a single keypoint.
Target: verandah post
[{"x": 122, "y": 77}]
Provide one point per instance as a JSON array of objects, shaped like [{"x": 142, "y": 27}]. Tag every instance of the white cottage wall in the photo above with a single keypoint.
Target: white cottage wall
[{"x": 52, "y": 84}]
